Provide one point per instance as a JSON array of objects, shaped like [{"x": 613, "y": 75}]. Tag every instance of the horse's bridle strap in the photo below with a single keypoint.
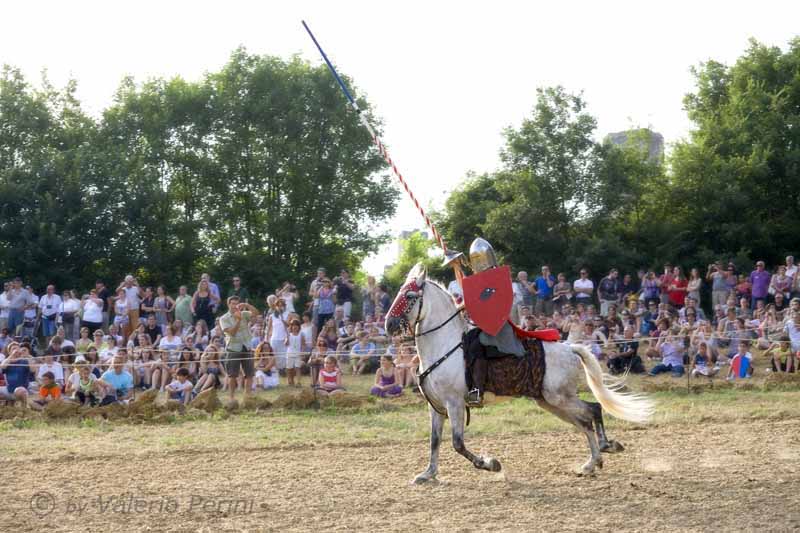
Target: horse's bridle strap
[{"x": 438, "y": 362}]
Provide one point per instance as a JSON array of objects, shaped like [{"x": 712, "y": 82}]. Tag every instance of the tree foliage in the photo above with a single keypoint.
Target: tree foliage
[
  {"x": 729, "y": 191},
  {"x": 259, "y": 169}
]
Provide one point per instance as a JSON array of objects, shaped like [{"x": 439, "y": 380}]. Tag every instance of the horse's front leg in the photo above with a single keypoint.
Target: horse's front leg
[
  {"x": 437, "y": 423},
  {"x": 456, "y": 414}
]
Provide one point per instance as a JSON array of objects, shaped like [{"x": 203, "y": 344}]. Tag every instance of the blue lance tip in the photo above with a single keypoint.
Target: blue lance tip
[{"x": 330, "y": 66}]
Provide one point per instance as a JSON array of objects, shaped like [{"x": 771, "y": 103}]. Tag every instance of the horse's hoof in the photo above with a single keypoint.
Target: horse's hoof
[
  {"x": 493, "y": 465},
  {"x": 612, "y": 447},
  {"x": 587, "y": 471},
  {"x": 423, "y": 478}
]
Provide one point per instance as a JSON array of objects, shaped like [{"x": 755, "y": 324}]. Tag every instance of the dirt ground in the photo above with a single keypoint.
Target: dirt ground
[{"x": 715, "y": 477}]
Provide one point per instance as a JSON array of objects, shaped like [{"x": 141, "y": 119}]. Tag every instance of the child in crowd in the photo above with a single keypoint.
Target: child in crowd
[
  {"x": 702, "y": 362},
  {"x": 404, "y": 367},
  {"x": 330, "y": 378},
  {"x": 294, "y": 350},
  {"x": 386, "y": 380},
  {"x": 782, "y": 357},
  {"x": 82, "y": 384},
  {"x": 317, "y": 360},
  {"x": 266, "y": 376},
  {"x": 52, "y": 367},
  {"x": 741, "y": 364},
  {"x": 211, "y": 371},
  {"x": 307, "y": 329},
  {"x": 180, "y": 388},
  {"x": 49, "y": 391}
]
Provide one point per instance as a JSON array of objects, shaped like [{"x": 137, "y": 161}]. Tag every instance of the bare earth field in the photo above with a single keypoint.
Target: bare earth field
[{"x": 724, "y": 460}]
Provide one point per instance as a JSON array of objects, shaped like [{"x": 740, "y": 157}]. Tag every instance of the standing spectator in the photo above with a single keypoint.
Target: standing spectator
[
  {"x": 235, "y": 326},
  {"x": 759, "y": 280},
  {"x": 694, "y": 285},
  {"x": 147, "y": 307},
  {"x": 344, "y": 292},
  {"x": 121, "y": 316},
  {"x": 791, "y": 268},
  {"x": 584, "y": 288},
  {"x": 368, "y": 297},
  {"x": 68, "y": 313},
  {"x": 651, "y": 289},
  {"x": 324, "y": 296},
  {"x": 4, "y": 305},
  {"x": 104, "y": 294},
  {"x": 238, "y": 290},
  {"x": 562, "y": 292},
  {"x": 17, "y": 300},
  {"x": 295, "y": 348},
  {"x": 203, "y": 302},
  {"x": 92, "y": 311},
  {"x": 608, "y": 291},
  {"x": 742, "y": 290},
  {"x": 17, "y": 369},
  {"x": 316, "y": 284},
  {"x": 676, "y": 290},
  {"x": 719, "y": 289},
  {"x": 134, "y": 294},
  {"x": 183, "y": 308},
  {"x": 288, "y": 293},
  {"x": 31, "y": 314},
  {"x": 214, "y": 288},
  {"x": 544, "y": 291},
  {"x": 382, "y": 301},
  {"x": 164, "y": 305},
  {"x": 523, "y": 295},
  {"x": 277, "y": 330},
  {"x": 48, "y": 306},
  {"x": 780, "y": 283},
  {"x": 792, "y": 329}
]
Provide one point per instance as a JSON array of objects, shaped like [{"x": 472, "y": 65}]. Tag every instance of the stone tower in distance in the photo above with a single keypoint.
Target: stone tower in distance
[{"x": 654, "y": 141}]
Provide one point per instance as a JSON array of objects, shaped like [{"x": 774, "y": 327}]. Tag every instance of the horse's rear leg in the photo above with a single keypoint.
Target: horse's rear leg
[
  {"x": 606, "y": 445},
  {"x": 577, "y": 413},
  {"x": 456, "y": 414},
  {"x": 437, "y": 423}
]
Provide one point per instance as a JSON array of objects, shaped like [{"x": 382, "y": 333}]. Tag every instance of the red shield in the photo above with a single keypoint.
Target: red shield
[{"x": 488, "y": 297}]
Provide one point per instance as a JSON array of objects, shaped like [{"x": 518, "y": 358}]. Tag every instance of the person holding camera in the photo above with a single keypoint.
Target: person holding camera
[
  {"x": 344, "y": 292},
  {"x": 235, "y": 325}
]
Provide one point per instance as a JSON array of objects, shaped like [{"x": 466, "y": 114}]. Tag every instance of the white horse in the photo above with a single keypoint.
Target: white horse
[{"x": 430, "y": 311}]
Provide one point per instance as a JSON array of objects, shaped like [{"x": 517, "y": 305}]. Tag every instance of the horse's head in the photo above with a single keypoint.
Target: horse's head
[{"x": 408, "y": 302}]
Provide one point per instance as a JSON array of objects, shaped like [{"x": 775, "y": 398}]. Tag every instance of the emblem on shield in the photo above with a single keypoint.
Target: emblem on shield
[{"x": 488, "y": 297}]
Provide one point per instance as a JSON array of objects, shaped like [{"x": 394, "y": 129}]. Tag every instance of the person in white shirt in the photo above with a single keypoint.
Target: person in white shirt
[
  {"x": 68, "y": 314},
  {"x": 584, "y": 288},
  {"x": 4, "y": 306},
  {"x": 134, "y": 294},
  {"x": 49, "y": 308},
  {"x": 791, "y": 268},
  {"x": 50, "y": 365}
]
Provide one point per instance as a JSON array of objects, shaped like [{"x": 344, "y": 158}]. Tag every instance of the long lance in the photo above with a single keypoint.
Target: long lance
[{"x": 451, "y": 258}]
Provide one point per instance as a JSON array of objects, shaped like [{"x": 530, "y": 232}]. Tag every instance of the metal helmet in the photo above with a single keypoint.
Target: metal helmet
[
  {"x": 453, "y": 256},
  {"x": 481, "y": 255}
]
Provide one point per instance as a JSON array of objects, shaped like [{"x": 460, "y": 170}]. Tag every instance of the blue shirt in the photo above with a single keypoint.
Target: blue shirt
[
  {"x": 122, "y": 382},
  {"x": 362, "y": 349},
  {"x": 544, "y": 290},
  {"x": 18, "y": 374}
]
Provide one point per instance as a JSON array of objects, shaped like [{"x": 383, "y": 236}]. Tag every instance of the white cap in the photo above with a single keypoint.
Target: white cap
[{"x": 80, "y": 359}]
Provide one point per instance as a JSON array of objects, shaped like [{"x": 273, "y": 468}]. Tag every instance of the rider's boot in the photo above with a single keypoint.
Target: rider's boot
[{"x": 480, "y": 368}]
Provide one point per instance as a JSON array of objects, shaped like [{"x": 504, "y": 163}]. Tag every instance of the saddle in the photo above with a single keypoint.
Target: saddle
[{"x": 504, "y": 374}]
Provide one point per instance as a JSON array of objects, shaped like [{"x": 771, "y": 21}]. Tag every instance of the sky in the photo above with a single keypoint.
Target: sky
[{"x": 446, "y": 77}]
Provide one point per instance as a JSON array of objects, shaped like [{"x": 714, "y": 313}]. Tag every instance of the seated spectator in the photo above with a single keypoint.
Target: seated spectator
[
  {"x": 743, "y": 288},
  {"x": 702, "y": 362},
  {"x": 594, "y": 338},
  {"x": 82, "y": 384},
  {"x": 362, "y": 353},
  {"x": 782, "y": 358},
  {"x": 741, "y": 364},
  {"x": 404, "y": 365},
  {"x": 187, "y": 358},
  {"x": 180, "y": 388},
  {"x": 116, "y": 383},
  {"x": 266, "y": 376},
  {"x": 49, "y": 391},
  {"x": 386, "y": 385},
  {"x": 317, "y": 360},
  {"x": 330, "y": 378},
  {"x": 669, "y": 351},
  {"x": 17, "y": 369},
  {"x": 160, "y": 370},
  {"x": 93, "y": 360},
  {"x": 625, "y": 358}
]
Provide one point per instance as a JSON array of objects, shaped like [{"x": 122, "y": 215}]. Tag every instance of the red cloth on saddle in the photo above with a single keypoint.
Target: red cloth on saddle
[{"x": 547, "y": 335}]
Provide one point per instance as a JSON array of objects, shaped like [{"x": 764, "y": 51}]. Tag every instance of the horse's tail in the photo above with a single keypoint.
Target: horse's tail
[{"x": 627, "y": 406}]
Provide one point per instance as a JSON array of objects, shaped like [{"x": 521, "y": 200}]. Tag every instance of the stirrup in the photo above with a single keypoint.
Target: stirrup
[{"x": 475, "y": 398}]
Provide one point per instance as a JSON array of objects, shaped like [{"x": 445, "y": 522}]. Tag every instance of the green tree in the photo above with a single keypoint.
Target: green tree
[{"x": 416, "y": 248}]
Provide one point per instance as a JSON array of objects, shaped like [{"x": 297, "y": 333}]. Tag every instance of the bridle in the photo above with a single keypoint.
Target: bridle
[{"x": 414, "y": 292}]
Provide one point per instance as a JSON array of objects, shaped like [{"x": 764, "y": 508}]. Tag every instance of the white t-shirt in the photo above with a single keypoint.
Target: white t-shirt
[
  {"x": 55, "y": 368},
  {"x": 132, "y": 295},
  {"x": 34, "y": 300},
  {"x": 583, "y": 284},
  {"x": 92, "y": 312},
  {"x": 70, "y": 305},
  {"x": 177, "y": 386},
  {"x": 279, "y": 332},
  {"x": 289, "y": 300},
  {"x": 519, "y": 290},
  {"x": 306, "y": 330},
  {"x": 4, "y": 305},
  {"x": 791, "y": 271},
  {"x": 50, "y": 305},
  {"x": 74, "y": 380},
  {"x": 295, "y": 344},
  {"x": 170, "y": 343}
]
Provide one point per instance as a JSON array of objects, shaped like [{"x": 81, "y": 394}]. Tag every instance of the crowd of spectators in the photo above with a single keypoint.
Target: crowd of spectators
[
  {"x": 101, "y": 347},
  {"x": 664, "y": 313},
  {"x": 105, "y": 345}
]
